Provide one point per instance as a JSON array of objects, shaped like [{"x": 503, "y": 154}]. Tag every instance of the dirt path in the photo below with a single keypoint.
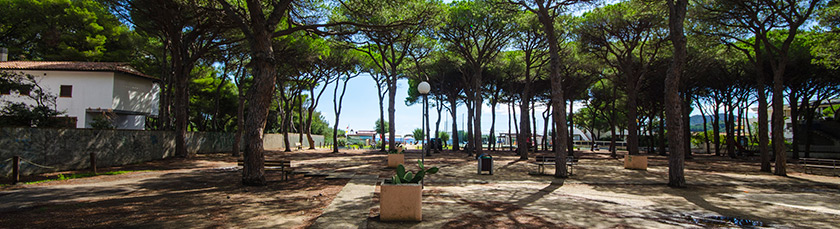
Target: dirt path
[{"x": 206, "y": 192}]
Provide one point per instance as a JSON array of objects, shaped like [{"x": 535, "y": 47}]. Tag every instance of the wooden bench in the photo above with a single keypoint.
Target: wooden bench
[
  {"x": 284, "y": 166},
  {"x": 542, "y": 161},
  {"x": 810, "y": 163}
]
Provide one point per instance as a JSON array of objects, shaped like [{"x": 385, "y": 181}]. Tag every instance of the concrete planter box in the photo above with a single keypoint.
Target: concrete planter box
[
  {"x": 395, "y": 159},
  {"x": 402, "y": 202},
  {"x": 635, "y": 162}
]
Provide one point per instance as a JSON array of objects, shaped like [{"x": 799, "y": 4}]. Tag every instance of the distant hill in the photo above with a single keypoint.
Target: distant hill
[
  {"x": 696, "y": 122},
  {"x": 698, "y": 119}
]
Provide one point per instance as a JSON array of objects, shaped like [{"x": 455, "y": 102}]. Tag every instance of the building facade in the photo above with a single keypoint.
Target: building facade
[{"x": 92, "y": 91}]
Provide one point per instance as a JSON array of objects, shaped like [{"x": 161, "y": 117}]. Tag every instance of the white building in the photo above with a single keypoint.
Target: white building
[{"x": 87, "y": 90}]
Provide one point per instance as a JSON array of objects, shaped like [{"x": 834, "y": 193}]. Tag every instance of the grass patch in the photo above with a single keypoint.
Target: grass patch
[{"x": 83, "y": 175}]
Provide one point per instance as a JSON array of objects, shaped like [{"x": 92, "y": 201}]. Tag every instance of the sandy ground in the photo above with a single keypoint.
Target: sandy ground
[
  {"x": 602, "y": 194},
  {"x": 205, "y": 192}
]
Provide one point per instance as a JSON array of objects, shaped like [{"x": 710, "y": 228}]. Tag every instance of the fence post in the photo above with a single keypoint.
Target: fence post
[
  {"x": 16, "y": 170},
  {"x": 93, "y": 162}
]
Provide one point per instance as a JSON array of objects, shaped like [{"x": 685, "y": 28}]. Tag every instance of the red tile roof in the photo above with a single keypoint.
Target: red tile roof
[{"x": 73, "y": 66}]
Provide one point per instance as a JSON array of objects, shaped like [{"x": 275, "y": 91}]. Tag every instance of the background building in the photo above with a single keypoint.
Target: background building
[{"x": 92, "y": 90}]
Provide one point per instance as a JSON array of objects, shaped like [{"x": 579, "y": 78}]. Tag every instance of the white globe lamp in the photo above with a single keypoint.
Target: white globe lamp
[{"x": 424, "y": 88}]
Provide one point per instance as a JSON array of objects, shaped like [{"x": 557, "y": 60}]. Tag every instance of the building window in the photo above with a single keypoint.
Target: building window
[{"x": 66, "y": 91}]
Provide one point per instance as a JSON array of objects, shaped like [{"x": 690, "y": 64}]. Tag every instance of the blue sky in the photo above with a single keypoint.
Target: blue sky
[{"x": 360, "y": 109}]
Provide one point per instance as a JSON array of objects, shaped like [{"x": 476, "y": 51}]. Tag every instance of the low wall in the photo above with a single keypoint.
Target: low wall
[
  {"x": 275, "y": 141},
  {"x": 49, "y": 150}
]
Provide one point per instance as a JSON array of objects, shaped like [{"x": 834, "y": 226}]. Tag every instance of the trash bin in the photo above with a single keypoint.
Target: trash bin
[
  {"x": 485, "y": 163},
  {"x": 437, "y": 144}
]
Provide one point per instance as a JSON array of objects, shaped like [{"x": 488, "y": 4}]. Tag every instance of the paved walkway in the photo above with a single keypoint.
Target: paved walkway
[{"x": 351, "y": 207}]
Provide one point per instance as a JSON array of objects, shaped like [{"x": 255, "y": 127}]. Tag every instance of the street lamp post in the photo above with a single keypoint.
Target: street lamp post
[{"x": 424, "y": 89}]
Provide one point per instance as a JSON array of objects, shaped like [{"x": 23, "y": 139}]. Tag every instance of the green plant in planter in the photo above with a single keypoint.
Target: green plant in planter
[
  {"x": 399, "y": 149},
  {"x": 404, "y": 177}
]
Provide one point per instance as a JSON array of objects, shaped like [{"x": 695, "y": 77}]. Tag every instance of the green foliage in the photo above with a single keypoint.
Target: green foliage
[
  {"x": 23, "y": 115},
  {"x": 207, "y": 88},
  {"x": 462, "y": 135},
  {"x": 444, "y": 137},
  {"x": 831, "y": 112},
  {"x": 19, "y": 114},
  {"x": 407, "y": 177},
  {"x": 80, "y": 30},
  {"x": 320, "y": 126},
  {"x": 418, "y": 134},
  {"x": 827, "y": 50},
  {"x": 379, "y": 128},
  {"x": 477, "y": 30},
  {"x": 340, "y": 142},
  {"x": 590, "y": 119},
  {"x": 102, "y": 122},
  {"x": 699, "y": 139}
]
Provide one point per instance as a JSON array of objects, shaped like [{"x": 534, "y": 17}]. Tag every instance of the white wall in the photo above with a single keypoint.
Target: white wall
[
  {"x": 132, "y": 93},
  {"x": 87, "y": 91}
]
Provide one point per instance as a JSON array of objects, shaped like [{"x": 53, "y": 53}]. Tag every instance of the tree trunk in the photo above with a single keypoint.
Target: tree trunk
[
  {"x": 491, "y": 141},
  {"x": 779, "y": 122},
  {"x": 182, "y": 102},
  {"x": 392, "y": 111},
  {"x": 240, "y": 124},
  {"x": 763, "y": 138},
  {"x": 705, "y": 128},
  {"x": 515, "y": 129},
  {"x": 381, "y": 115},
  {"x": 439, "y": 103},
  {"x": 166, "y": 88},
  {"x": 181, "y": 73},
  {"x": 509, "y": 141},
  {"x": 687, "y": 126},
  {"x": 470, "y": 140},
  {"x": 337, "y": 107},
  {"x": 662, "y": 135},
  {"x": 259, "y": 101},
  {"x": 651, "y": 136},
  {"x": 794, "y": 122},
  {"x": 613, "y": 149},
  {"x": 300, "y": 118},
  {"x": 809, "y": 121},
  {"x": 453, "y": 103},
  {"x": 524, "y": 122},
  {"x": 287, "y": 117},
  {"x": 676, "y": 159},
  {"x": 310, "y": 111},
  {"x": 632, "y": 124},
  {"x": 557, "y": 99},
  {"x": 810, "y": 114},
  {"x": 533, "y": 126},
  {"x": 546, "y": 115},
  {"x": 571, "y": 146},
  {"x": 730, "y": 128},
  {"x": 716, "y": 127}
]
